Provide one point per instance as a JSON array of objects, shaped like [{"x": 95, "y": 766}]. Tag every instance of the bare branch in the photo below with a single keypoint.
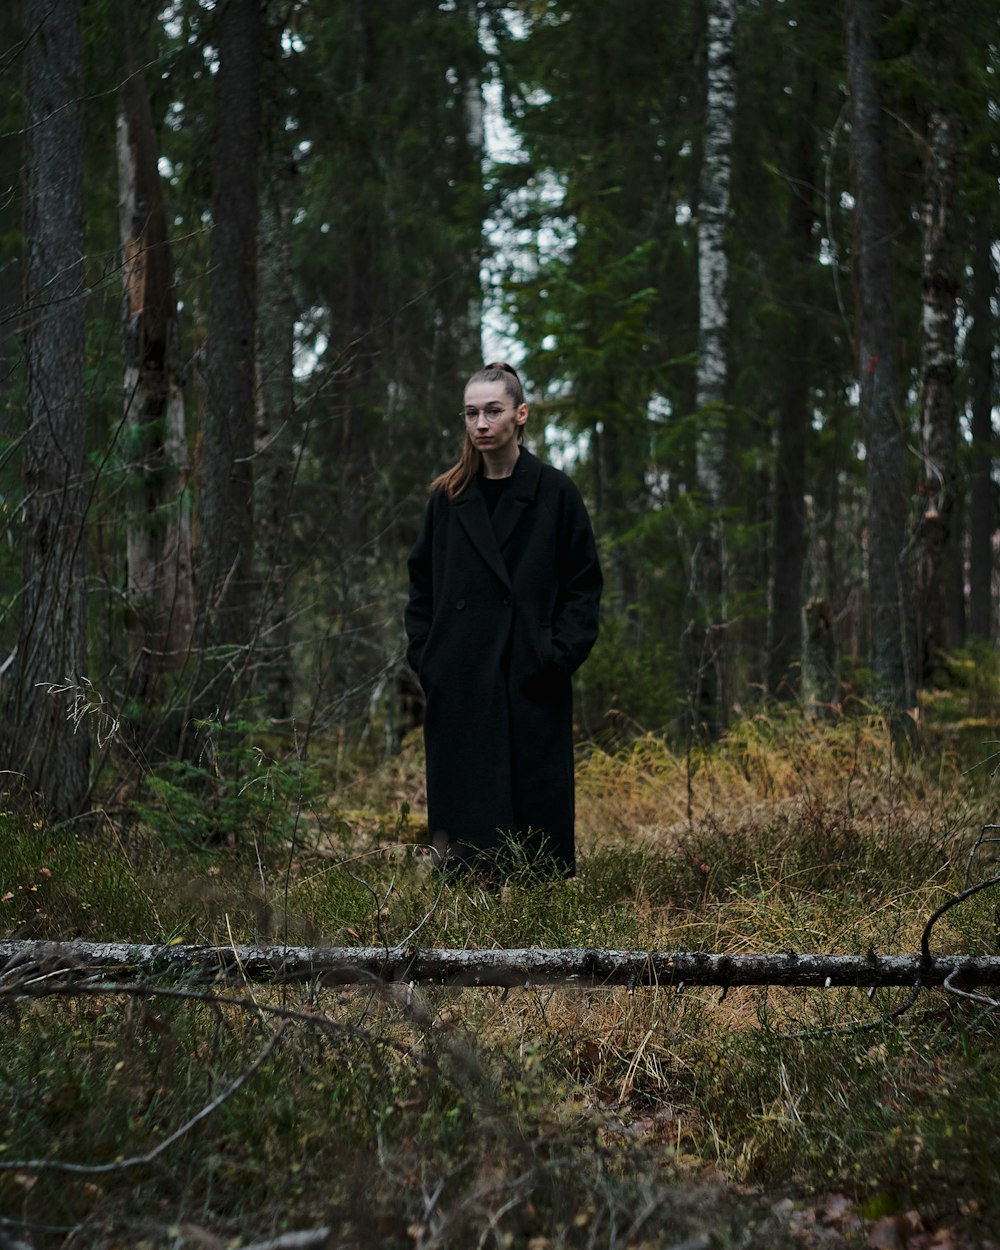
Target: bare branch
[
  {"x": 119, "y": 1165},
  {"x": 955, "y": 899},
  {"x": 305, "y": 1239},
  {"x": 142, "y": 989}
]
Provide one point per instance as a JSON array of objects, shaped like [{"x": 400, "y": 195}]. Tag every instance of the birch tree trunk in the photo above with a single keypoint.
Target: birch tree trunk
[
  {"x": 938, "y": 370},
  {"x": 878, "y": 370},
  {"x": 160, "y": 586},
  {"x": 982, "y": 600},
  {"x": 226, "y": 562},
  {"x": 36, "y": 969},
  {"x": 713, "y": 258},
  {"x": 706, "y": 642},
  {"x": 46, "y": 747}
]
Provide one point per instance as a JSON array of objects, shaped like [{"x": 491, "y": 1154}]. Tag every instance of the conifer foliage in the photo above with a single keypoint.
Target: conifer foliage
[{"x": 745, "y": 254}]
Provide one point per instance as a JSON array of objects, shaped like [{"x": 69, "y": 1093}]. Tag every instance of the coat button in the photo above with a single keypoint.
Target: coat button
[
  {"x": 460, "y": 604},
  {"x": 506, "y": 602}
]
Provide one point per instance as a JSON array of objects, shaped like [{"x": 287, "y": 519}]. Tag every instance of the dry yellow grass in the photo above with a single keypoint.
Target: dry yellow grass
[{"x": 549, "y": 1117}]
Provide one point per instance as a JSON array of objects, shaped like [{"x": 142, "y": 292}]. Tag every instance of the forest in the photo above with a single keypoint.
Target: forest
[{"x": 744, "y": 254}]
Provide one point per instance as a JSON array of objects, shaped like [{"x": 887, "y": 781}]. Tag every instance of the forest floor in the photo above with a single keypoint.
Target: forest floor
[{"x": 188, "y": 1116}]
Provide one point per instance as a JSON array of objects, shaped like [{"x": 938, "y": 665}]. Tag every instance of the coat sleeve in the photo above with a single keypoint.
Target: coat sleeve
[
  {"x": 420, "y": 604},
  {"x": 574, "y": 629}
]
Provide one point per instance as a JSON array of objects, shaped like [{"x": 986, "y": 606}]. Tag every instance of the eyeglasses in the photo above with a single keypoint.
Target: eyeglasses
[{"x": 491, "y": 414}]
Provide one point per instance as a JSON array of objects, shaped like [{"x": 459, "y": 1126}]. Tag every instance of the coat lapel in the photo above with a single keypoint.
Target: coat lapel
[
  {"x": 517, "y": 496},
  {"x": 489, "y": 535},
  {"x": 471, "y": 509}
]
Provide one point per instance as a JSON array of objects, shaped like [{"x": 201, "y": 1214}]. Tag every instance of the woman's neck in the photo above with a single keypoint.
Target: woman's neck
[{"x": 500, "y": 463}]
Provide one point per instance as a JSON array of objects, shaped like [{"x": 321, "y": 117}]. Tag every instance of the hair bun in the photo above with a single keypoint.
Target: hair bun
[{"x": 502, "y": 364}]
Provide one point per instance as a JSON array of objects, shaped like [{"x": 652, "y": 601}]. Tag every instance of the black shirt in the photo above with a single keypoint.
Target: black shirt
[{"x": 492, "y": 488}]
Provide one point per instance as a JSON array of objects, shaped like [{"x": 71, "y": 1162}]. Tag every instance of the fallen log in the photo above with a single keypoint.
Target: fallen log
[{"x": 35, "y": 968}]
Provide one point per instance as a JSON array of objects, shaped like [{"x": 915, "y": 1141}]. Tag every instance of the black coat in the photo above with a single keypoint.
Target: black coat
[{"x": 502, "y": 612}]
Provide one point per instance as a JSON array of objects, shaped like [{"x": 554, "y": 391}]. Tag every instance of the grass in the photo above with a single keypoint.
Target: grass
[{"x": 542, "y": 1118}]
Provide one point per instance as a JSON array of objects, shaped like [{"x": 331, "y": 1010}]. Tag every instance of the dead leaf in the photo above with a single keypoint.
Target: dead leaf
[
  {"x": 884, "y": 1234},
  {"x": 202, "y": 1237},
  {"x": 834, "y": 1208}
]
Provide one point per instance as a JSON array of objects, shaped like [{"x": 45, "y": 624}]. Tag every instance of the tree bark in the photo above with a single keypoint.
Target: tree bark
[
  {"x": 356, "y": 457},
  {"x": 226, "y": 563},
  {"x": 38, "y": 968},
  {"x": 475, "y": 137},
  {"x": 878, "y": 354},
  {"x": 982, "y": 506},
  {"x": 706, "y": 652},
  {"x": 48, "y": 747},
  {"x": 938, "y": 370},
  {"x": 160, "y": 588},
  {"x": 713, "y": 255},
  {"x": 788, "y": 536},
  {"x": 275, "y": 391},
  {"x": 12, "y": 30}
]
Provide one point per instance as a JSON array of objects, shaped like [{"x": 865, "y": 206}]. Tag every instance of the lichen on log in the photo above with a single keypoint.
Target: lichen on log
[{"x": 35, "y": 967}]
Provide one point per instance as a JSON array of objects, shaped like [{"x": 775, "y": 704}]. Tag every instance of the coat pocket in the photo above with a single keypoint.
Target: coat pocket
[
  {"x": 543, "y": 650},
  {"x": 425, "y": 662},
  {"x": 545, "y": 631}
]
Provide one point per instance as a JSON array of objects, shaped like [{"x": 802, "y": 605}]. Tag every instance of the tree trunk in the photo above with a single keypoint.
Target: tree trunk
[
  {"x": 788, "y": 535},
  {"x": 982, "y": 506},
  {"x": 706, "y": 653},
  {"x": 475, "y": 136},
  {"x": 11, "y": 164},
  {"x": 275, "y": 393},
  {"x": 940, "y": 283},
  {"x": 59, "y": 967},
  {"x": 226, "y": 561},
  {"x": 160, "y": 588},
  {"x": 878, "y": 353},
  {"x": 50, "y": 740},
  {"x": 357, "y": 463},
  {"x": 618, "y": 504},
  {"x": 713, "y": 258}
]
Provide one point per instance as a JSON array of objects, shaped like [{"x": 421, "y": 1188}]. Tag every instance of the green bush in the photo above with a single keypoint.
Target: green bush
[{"x": 235, "y": 794}]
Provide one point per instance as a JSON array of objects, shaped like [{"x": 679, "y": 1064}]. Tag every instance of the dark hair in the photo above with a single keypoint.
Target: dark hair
[{"x": 454, "y": 480}]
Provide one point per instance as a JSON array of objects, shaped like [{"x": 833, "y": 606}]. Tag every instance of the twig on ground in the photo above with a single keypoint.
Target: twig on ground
[
  {"x": 313, "y": 1019},
  {"x": 868, "y": 1026},
  {"x": 925, "y": 946},
  {"x": 9, "y": 1242},
  {"x": 304, "y": 1239},
  {"x": 119, "y": 1165},
  {"x": 927, "y": 960},
  {"x": 980, "y": 841},
  {"x": 641, "y": 1217},
  {"x": 700, "y": 1242},
  {"x": 404, "y": 942},
  {"x": 971, "y": 995}
]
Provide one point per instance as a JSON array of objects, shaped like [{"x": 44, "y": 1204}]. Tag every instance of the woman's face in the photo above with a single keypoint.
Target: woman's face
[{"x": 491, "y": 418}]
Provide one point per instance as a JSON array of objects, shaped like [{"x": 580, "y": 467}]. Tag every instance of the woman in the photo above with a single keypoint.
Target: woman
[{"x": 504, "y": 592}]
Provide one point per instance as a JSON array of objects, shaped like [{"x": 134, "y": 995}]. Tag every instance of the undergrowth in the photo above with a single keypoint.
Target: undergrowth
[{"x": 538, "y": 1118}]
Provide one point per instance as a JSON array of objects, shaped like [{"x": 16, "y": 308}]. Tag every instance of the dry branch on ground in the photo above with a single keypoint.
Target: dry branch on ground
[{"x": 34, "y": 968}]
